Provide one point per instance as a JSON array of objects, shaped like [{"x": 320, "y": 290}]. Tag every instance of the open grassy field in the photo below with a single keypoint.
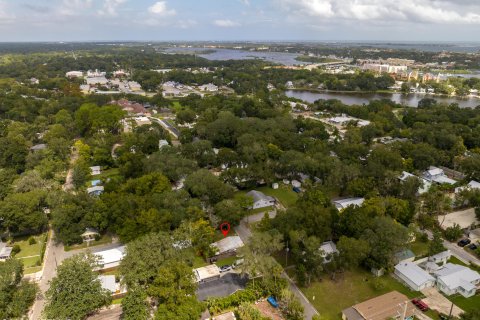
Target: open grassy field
[
  {"x": 331, "y": 297},
  {"x": 30, "y": 254}
]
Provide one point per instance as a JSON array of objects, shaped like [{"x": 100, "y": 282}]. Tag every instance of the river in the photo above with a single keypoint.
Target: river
[{"x": 410, "y": 99}]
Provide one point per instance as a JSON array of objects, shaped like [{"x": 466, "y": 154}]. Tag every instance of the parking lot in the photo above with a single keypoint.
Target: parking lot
[{"x": 222, "y": 287}]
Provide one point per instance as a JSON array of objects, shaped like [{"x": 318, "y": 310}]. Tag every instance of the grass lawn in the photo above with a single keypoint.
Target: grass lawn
[
  {"x": 104, "y": 240},
  {"x": 466, "y": 304},
  {"x": 419, "y": 248},
  {"x": 105, "y": 175},
  {"x": 284, "y": 194},
  {"x": 176, "y": 105},
  {"x": 199, "y": 262},
  {"x": 331, "y": 297},
  {"x": 117, "y": 301},
  {"x": 223, "y": 262},
  {"x": 30, "y": 262},
  {"x": 32, "y": 270},
  {"x": 27, "y": 250}
]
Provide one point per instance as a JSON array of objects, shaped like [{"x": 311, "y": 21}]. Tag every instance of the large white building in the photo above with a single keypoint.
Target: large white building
[
  {"x": 454, "y": 278},
  {"x": 434, "y": 174},
  {"x": 413, "y": 276},
  {"x": 342, "y": 204}
]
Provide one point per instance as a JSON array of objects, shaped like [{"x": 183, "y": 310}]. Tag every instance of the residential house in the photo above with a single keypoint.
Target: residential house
[
  {"x": 296, "y": 184},
  {"x": 385, "y": 307},
  {"x": 110, "y": 259},
  {"x": 142, "y": 121},
  {"x": 260, "y": 200},
  {"x": 208, "y": 273},
  {"x": 413, "y": 276},
  {"x": 327, "y": 250},
  {"x": 134, "y": 86},
  {"x": 208, "y": 87},
  {"x": 95, "y": 170},
  {"x": 342, "y": 204},
  {"x": 96, "y": 73},
  {"x": 95, "y": 191},
  {"x": 472, "y": 185},
  {"x": 441, "y": 258},
  {"x": 5, "y": 252},
  {"x": 162, "y": 143},
  {"x": 109, "y": 283},
  {"x": 227, "y": 245},
  {"x": 74, "y": 74},
  {"x": 97, "y": 80},
  {"x": 425, "y": 183},
  {"x": 454, "y": 278},
  {"x": 90, "y": 234},
  {"x": 434, "y": 174},
  {"x": 38, "y": 147},
  {"x": 95, "y": 182},
  {"x": 34, "y": 81}
]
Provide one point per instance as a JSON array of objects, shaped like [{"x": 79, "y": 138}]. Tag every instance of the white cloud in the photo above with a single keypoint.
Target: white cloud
[
  {"x": 226, "y": 23},
  {"x": 74, "y": 7},
  {"x": 5, "y": 16},
  {"x": 426, "y": 11},
  {"x": 110, "y": 7},
  {"x": 160, "y": 9}
]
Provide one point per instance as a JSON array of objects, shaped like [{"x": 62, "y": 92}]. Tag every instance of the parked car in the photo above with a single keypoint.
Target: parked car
[
  {"x": 296, "y": 189},
  {"x": 273, "y": 302},
  {"x": 225, "y": 268},
  {"x": 473, "y": 246},
  {"x": 463, "y": 242},
  {"x": 420, "y": 304}
]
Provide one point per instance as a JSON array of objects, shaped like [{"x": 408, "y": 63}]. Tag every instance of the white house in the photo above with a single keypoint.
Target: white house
[
  {"x": 208, "y": 87},
  {"x": 425, "y": 184},
  {"x": 74, "y": 74},
  {"x": 437, "y": 175},
  {"x": 95, "y": 170},
  {"x": 296, "y": 184},
  {"x": 472, "y": 185},
  {"x": 413, "y": 276},
  {"x": 95, "y": 191},
  {"x": 327, "y": 250},
  {"x": 342, "y": 204},
  {"x": 227, "y": 244},
  {"x": 5, "y": 251},
  {"x": 97, "y": 80},
  {"x": 110, "y": 259},
  {"x": 207, "y": 273},
  {"x": 441, "y": 258},
  {"x": 260, "y": 200},
  {"x": 454, "y": 278}
]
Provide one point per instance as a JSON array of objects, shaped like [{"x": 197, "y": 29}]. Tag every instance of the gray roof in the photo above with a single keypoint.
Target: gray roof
[
  {"x": 441, "y": 256},
  {"x": 414, "y": 273},
  {"x": 228, "y": 244},
  {"x": 352, "y": 314},
  {"x": 5, "y": 251},
  {"x": 38, "y": 147},
  {"x": 455, "y": 276},
  {"x": 257, "y": 196},
  {"x": 108, "y": 283}
]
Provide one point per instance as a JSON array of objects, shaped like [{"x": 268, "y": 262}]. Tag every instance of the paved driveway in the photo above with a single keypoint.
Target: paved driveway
[
  {"x": 225, "y": 286},
  {"x": 436, "y": 301}
]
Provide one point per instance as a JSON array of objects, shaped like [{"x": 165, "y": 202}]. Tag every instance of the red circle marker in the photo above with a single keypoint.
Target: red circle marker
[{"x": 225, "y": 228}]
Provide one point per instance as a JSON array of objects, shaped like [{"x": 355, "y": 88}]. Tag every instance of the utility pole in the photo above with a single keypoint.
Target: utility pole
[{"x": 286, "y": 255}]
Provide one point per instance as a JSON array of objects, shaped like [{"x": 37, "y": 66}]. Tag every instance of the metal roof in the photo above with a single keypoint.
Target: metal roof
[{"x": 414, "y": 273}]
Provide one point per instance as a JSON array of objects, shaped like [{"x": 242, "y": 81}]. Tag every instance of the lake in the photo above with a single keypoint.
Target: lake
[
  {"x": 410, "y": 99},
  {"x": 284, "y": 58}
]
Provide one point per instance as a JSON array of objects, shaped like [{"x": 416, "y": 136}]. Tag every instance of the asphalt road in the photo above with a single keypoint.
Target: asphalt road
[
  {"x": 244, "y": 233},
  {"x": 457, "y": 251}
]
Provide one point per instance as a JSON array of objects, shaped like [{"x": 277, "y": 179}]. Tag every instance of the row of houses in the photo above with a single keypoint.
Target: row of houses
[{"x": 436, "y": 271}]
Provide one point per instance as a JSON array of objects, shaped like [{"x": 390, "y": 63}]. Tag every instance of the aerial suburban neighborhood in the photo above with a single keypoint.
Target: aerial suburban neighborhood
[{"x": 185, "y": 174}]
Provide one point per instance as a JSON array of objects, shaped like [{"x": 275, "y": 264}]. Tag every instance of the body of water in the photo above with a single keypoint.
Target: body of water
[
  {"x": 284, "y": 58},
  {"x": 410, "y": 99}
]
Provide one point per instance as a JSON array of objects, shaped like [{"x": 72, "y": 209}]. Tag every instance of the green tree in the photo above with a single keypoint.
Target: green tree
[
  {"x": 16, "y": 295},
  {"x": 352, "y": 252},
  {"x": 76, "y": 291},
  {"x": 436, "y": 245},
  {"x": 207, "y": 187},
  {"x": 453, "y": 233},
  {"x": 134, "y": 305}
]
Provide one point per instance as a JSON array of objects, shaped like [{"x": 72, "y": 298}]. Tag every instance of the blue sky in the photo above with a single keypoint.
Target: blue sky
[{"x": 78, "y": 20}]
